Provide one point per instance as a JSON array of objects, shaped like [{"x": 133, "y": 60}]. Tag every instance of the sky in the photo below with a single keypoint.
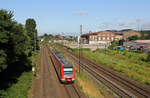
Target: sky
[{"x": 57, "y": 16}]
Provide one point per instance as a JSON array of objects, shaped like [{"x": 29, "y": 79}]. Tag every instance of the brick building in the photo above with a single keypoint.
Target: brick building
[{"x": 106, "y": 37}]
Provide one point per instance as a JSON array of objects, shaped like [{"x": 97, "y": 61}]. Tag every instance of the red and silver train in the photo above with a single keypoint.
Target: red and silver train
[{"x": 65, "y": 70}]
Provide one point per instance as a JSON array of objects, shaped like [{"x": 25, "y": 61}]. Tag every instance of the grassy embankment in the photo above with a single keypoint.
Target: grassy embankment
[
  {"x": 35, "y": 61},
  {"x": 88, "y": 86},
  {"x": 21, "y": 88},
  {"x": 131, "y": 64}
]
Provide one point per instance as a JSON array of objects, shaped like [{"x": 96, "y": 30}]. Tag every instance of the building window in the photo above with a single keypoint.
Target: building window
[
  {"x": 90, "y": 37},
  {"x": 99, "y": 38},
  {"x": 107, "y": 38},
  {"x": 103, "y": 38}
]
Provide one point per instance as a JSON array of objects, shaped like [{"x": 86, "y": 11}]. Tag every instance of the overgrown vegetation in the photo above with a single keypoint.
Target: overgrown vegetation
[
  {"x": 16, "y": 48},
  {"x": 131, "y": 64}
]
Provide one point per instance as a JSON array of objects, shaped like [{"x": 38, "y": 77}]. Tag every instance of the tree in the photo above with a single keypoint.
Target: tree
[
  {"x": 14, "y": 49},
  {"x": 145, "y": 34},
  {"x": 133, "y": 38},
  {"x": 5, "y": 26},
  {"x": 32, "y": 32},
  {"x": 113, "y": 44},
  {"x": 121, "y": 42}
]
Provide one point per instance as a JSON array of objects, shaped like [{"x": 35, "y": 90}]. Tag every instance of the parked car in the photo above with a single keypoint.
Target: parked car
[{"x": 119, "y": 48}]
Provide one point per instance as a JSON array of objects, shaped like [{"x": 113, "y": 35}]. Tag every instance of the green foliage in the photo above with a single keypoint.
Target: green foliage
[
  {"x": 47, "y": 37},
  {"x": 133, "y": 38},
  {"x": 16, "y": 43},
  {"x": 148, "y": 57},
  {"x": 5, "y": 26},
  {"x": 113, "y": 45},
  {"x": 20, "y": 89},
  {"x": 35, "y": 61},
  {"x": 145, "y": 34},
  {"x": 32, "y": 32}
]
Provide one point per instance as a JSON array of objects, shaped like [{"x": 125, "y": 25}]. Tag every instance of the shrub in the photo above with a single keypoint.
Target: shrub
[
  {"x": 20, "y": 89},
  {"x": 148, "y": 57}
]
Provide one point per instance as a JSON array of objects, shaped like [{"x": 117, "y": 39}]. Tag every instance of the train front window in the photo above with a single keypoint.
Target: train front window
[{"x": 68, "y": 71}]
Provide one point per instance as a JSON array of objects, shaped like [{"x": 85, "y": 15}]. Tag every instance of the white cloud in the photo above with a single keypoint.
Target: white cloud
[
  {"x": 81, "y": 13},
  {"x": 123, "y": 23},
  {"x": 136, "y": 21},
  {"x": 104, "y": 25}
]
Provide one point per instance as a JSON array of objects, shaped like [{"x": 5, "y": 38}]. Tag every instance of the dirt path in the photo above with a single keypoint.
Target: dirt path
[{"x": 46, "y": 84}]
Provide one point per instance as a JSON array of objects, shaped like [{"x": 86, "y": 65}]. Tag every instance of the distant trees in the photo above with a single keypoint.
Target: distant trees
[
  {"x": 145, "y": 34},
  {"x": 46, "y": 37}
]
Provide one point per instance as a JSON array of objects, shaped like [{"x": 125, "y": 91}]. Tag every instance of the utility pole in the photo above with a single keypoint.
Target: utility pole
[
  {"x": 63, "y": 38},
  {"x": 80, "y": 47}
]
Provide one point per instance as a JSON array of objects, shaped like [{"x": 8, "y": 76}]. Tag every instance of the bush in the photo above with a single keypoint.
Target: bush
[
  {"x": 148, "y": 57},
  {"x": 20, "y": 89},
  {"x": 113, "y": 45}
]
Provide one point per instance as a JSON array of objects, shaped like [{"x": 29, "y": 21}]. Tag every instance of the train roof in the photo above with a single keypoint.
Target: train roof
[{"x": 62, "y": 60}]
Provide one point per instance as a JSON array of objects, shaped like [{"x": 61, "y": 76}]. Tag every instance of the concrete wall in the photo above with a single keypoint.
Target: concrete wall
[
  {"x": 91, "y": 46},
  {"x": 97, "y": 42}
]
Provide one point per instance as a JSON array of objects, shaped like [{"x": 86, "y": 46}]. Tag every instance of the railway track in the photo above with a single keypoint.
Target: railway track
[
  {"x": 71, "y": 89},
  {"x": 122, "y": 86}
]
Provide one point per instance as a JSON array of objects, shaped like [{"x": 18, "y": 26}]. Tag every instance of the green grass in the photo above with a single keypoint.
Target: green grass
[
  {"x": 20, "y": 89},
  {"x": 131, "y": 64}
]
